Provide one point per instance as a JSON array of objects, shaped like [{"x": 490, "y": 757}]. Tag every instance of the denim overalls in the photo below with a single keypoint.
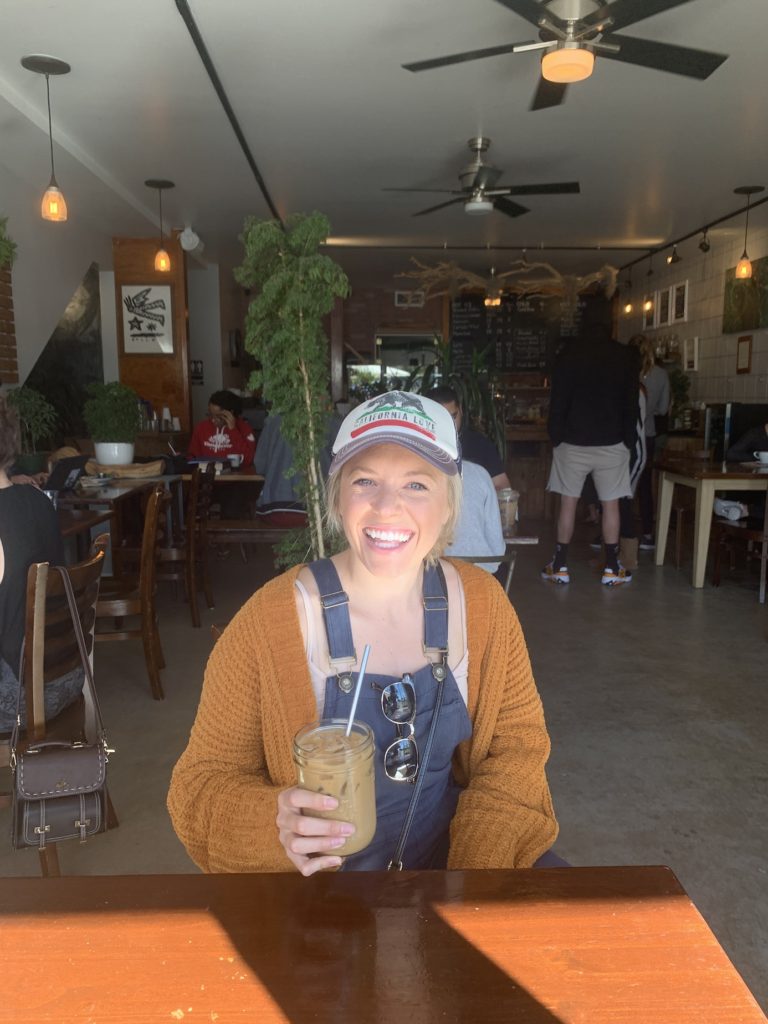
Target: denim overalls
[{"x": 427, "y": 845}]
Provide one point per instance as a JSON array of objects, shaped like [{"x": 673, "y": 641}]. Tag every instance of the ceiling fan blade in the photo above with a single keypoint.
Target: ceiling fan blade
[
  {"x": 554, "y": 188},
  {"x": 440, "y": 206},
  {"x": 548, "y": 94},
  {"x": 533, "y": 12},
  {"x": 462, "y": 58},
  {"x": 627, "y": 12},
  {"x": 678, "y": 60},
  {"x": 447, "y": 191},
  {"x": 508, "y": 207}
]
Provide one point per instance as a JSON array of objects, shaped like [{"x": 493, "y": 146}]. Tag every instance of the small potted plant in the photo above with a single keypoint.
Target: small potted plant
[
  {"x": 37, "y": 422},
  {"x": 113, "y": 420}
]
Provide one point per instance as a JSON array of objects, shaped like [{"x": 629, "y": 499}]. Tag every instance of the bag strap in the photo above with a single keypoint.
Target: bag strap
[
  {"x": 78, "y": 627},
  {"x": 396, "y": 864},
  {"x": 86, "y": 662}
]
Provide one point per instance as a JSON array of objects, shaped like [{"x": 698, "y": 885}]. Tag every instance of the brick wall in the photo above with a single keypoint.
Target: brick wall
[{"x": 9, "y": 367}]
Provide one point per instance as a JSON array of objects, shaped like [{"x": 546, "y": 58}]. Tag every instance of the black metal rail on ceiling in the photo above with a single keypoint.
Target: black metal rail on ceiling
[{"x": 183, "y": 8}]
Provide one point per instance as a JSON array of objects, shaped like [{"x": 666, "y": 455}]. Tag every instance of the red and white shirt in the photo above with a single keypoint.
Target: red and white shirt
[{"x": 209, "y": 440}]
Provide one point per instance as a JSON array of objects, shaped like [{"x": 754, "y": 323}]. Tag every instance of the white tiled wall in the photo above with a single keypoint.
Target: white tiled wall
[{"x": 716, "y": 379}]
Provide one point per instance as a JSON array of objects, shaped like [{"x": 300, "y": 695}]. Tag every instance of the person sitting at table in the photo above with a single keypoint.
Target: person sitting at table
[
  {"x": 224, "y": 431},
  {"x": 754, "y": 440},
  {"x": 474, "y": 445},
  {"x": 29, "y": 533},
  {"x": 394, "y": 491},
  {"x": 478, "y": 531}
]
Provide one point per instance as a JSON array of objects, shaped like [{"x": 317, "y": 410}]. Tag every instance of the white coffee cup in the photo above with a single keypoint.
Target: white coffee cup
[
  {"x": 236, "y": 460},
  {"x": 761, "y": 456}
]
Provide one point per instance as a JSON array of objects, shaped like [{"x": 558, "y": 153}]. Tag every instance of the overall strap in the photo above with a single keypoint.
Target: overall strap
[
  {"x": 435, "y": 597},
  {"x": 335, "y": 603}
]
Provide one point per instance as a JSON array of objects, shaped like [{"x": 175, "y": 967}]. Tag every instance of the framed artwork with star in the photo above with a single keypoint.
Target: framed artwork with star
[{"x": 147, "y": 319}]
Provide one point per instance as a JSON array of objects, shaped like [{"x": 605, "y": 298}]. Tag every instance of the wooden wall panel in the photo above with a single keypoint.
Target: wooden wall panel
[{"x": 163, "y": 380}]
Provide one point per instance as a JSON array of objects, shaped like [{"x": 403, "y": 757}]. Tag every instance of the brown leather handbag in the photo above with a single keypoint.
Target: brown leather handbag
[{"x": 60, "y": 788}]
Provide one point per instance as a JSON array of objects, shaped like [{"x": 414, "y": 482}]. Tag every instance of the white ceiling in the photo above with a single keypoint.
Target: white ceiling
[{"x": 331, "y": 118}]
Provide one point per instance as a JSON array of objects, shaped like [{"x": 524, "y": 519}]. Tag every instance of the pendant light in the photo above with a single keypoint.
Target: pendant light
[
  {"x": 704, "y": 244},
  {"x": 628, "y": 284},
  {"x": 673, "y": 256},
  {"x": 162, "y": 259},
  {"x": 744, "y": 267},
  {"x": 53, "y": 206}
]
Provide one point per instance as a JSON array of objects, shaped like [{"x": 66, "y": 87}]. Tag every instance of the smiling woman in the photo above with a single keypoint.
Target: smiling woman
[{"x": 448, "y": 698}]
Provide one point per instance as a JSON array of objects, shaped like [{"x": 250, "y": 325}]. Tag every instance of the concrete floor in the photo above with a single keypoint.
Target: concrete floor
[{"x": 655, "y": 696}]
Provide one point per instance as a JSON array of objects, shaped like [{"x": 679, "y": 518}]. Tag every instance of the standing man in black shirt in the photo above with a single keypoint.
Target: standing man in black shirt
[
  {"x": 592, "y": 423},
  {"x": 475, "y": 447}
]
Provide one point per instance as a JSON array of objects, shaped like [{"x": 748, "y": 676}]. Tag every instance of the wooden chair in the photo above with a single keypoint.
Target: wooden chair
[
  {"x": 137, "y": 598},
  {"x": 187, "y": 558},
  {"x": 507, "y": 560},
  {"x": 727, "y": 535},
  {"x": 51, "y": 652}
]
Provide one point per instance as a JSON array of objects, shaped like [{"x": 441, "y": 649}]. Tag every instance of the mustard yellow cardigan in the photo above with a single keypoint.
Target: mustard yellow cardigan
[{"x": 257, "y": 694}]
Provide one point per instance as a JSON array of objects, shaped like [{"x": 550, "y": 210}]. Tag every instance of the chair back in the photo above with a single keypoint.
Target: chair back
[
  {"x": 156, "y": 504},
  {"x": 199, "y": 500},
  {"x": 49, "y": 639}
]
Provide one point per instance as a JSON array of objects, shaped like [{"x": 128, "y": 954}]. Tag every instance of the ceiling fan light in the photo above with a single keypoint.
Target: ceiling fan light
[
  {"x": 743, "y": 268},
  {"x": 54, "y": 205},
  {"x": 162, "y": 261},
  {"x": 567, "y": 64},
  {"x": 478, "y": 206}
]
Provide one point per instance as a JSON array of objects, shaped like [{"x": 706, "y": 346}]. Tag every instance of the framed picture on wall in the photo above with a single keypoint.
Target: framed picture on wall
[
  {"x": 147, "y": 319},
  {"x": 663, "y": 307},
  {"x": 744, "y": 354},
  {"x": 690, "y": 354},
  {"x": 649, "y": 312},
  {"x": 679, "y": 302}
]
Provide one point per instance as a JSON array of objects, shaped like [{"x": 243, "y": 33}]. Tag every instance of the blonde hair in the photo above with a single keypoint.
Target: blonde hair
[
  {"x": 645, "y": 347},
  {"x": 454, "y": 494}
]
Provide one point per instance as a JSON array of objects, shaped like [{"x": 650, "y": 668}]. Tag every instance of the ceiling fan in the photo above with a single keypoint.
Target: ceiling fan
[
  {"x": 573, "y": 31},
  {"x": 480, "y": 192}
]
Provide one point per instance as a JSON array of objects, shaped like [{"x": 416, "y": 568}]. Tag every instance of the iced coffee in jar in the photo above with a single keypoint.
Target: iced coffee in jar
[{"x": 329, "y": 762}]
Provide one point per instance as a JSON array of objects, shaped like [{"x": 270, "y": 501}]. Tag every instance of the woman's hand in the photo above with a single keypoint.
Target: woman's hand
[
  {"x": 227, "y": 419},
  {"x": 308, "y": 841}
]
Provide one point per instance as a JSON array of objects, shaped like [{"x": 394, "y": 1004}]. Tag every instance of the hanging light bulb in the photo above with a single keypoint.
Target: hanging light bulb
[
  {"x": 704, "y": 244},
  {"x": 648, "y": 305},
  {"x": 162, "y": 259},
  {"x": 673, "y": 256},
  {"x": 744, "y": 267},
  {"x": 650, "y": 265},
  {"x": 628, "y": 285},
  {"x": 53, "y": 205}
]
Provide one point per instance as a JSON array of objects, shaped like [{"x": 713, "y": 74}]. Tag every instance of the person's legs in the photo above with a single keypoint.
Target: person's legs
[
  {"x": 569, "y": 470},
  {"x": 566, "y": 518},
  {"x": 612, "y": 482},
  {"x": 611, "y": 521}
]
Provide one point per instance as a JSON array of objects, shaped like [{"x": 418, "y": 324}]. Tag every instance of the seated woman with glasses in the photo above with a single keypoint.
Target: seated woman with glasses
[{"x": 441, "y": 633}]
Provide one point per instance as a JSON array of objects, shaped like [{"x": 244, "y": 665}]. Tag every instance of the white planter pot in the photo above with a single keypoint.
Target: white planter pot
[{"x": 113, "y": 453}]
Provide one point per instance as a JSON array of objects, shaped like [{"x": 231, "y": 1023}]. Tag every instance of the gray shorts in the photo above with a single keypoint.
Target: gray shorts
[{"x": 608, "y": 464}]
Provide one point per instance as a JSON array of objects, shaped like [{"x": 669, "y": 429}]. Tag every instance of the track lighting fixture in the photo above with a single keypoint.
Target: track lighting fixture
[
  {"x": 673, "y": 256},
  {"x": 704, "y": 244},
  {"x": 53, "y": 205},
  {"x": 650, "y": 265},
  {"x": 162, "y": 259},
  {"x": 744, "y": 267}
]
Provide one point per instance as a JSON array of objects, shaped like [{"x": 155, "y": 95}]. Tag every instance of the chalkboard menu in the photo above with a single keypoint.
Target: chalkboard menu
[{"x": 523, "y": 332}]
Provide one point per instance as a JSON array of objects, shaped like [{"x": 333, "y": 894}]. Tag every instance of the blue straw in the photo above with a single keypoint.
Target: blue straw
[{"x": 358, "y": 687}]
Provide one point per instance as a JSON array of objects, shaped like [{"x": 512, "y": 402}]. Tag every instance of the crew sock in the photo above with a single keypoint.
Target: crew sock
[
  {"x": 612, "y": 557},
  {"x": 560, "y": 557}
]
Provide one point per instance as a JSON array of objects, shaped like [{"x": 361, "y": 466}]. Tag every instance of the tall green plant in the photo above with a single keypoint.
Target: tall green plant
[
  {"x": 297, "y": 286},
  {"x": 37, "y": 417},
  {"x": 7, "y": 246}
]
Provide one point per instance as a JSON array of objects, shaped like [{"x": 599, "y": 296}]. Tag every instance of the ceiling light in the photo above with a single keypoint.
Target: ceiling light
[
  {"x": 53, "y": 205},
  {"x": 190, "y": 241},
  {"x": 648, "y": 305},
  {"x": 492, "y": 300},
  {"x": 568, "y": 62},
  {"x": 704, "y": 244},
  {"x": 627, "y": 308},
  {"x": 673, "y": 257},
  {"x": 478, "y": 204},
  {"x": 162, "y": 259},
  {"x": 744, "y": 267}
]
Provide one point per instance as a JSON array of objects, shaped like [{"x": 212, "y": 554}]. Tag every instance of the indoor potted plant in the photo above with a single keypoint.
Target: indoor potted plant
[
  {"x": 37, "y": 422},
  {"x": 113, "y": 420}
]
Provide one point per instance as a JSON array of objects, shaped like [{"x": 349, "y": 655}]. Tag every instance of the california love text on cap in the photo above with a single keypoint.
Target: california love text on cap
[{"x": 400, "y": 417}]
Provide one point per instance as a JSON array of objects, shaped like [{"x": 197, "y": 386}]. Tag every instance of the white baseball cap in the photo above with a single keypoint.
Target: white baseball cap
[{"x": 404, "y": 418}]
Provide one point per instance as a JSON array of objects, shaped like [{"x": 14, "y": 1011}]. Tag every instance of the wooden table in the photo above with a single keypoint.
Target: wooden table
[
  {"x": 241, "y": 475},
  {"x": 706, "y": 479},
  {"x": 558, "y": 946},
  {"x": 77, "y": 523}
]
